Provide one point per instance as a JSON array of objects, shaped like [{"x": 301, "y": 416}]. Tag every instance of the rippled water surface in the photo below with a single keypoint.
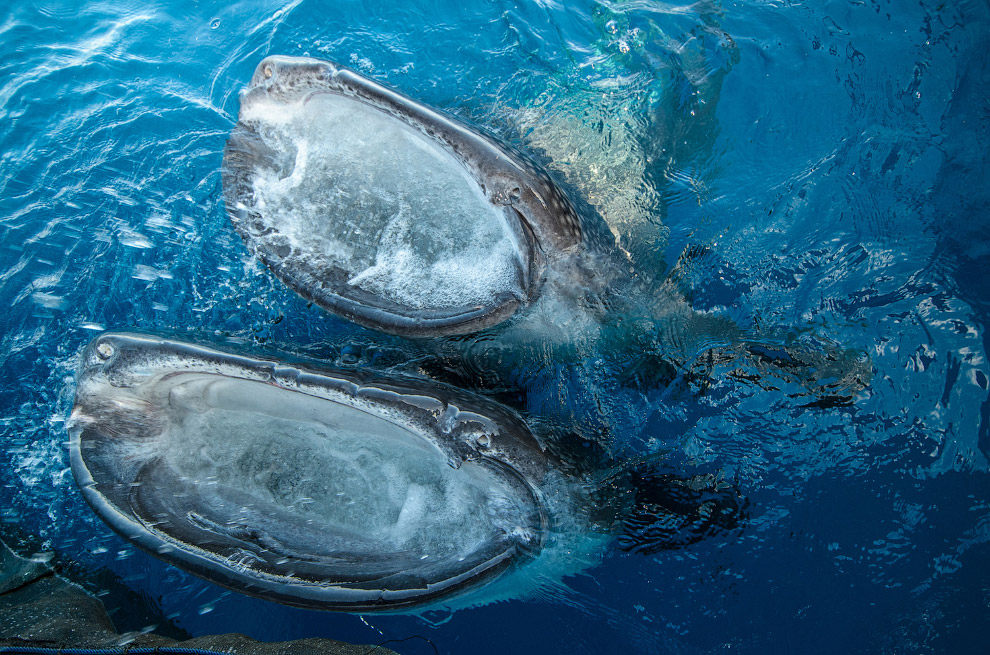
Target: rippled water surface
[{"x": 811, "y": 173}]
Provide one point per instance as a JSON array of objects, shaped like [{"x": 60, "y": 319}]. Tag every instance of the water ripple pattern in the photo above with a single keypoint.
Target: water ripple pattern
[{"x": 812, "y": 174}]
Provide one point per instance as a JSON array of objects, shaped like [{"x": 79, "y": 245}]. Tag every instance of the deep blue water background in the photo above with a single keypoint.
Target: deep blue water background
[{"x": 832, "y": 157}]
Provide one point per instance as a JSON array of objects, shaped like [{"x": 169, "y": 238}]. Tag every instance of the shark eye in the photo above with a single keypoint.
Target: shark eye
[{"x": 105, "y": 350}]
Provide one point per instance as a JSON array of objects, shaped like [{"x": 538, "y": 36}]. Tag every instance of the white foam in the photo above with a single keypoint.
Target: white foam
[{"x": 361, "y": 190}]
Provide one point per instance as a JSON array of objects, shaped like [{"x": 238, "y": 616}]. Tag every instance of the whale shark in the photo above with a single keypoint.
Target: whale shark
[
  {"x": 346, "y": 489},
  {"x": 331, "y": 489},
  {"x": 385, "y": 211},
  {"x": 404, "y": 219}
]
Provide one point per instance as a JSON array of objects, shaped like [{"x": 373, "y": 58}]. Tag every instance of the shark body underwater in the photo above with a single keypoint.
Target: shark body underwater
[{"x": 356, "y": 490}]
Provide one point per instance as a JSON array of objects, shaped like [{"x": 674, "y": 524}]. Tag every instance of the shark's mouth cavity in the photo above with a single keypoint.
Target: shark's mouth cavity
[
  {"x": 317, "y": 489},
  {"x": 383, "y": 210}
]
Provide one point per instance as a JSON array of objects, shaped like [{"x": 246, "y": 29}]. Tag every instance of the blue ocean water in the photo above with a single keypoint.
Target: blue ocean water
[{"x": 825, "y": 163}]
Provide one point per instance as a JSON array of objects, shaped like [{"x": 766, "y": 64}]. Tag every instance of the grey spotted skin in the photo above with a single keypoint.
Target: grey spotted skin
[
  {"x": 540, "y": 217},
  {"x": 325, "y": 489}
]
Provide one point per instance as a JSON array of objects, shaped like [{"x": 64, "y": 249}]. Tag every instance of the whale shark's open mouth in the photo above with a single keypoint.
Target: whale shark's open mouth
[
  {"x": 383, "y": 210},
  {"x": 317, "y": 489},
  {"x": 372, "y": 196}
]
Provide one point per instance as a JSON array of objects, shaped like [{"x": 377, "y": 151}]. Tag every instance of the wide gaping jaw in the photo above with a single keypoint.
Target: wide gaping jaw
[
  {"x": 383, "y": 210},
  {"x": 320, "y": 490}
]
